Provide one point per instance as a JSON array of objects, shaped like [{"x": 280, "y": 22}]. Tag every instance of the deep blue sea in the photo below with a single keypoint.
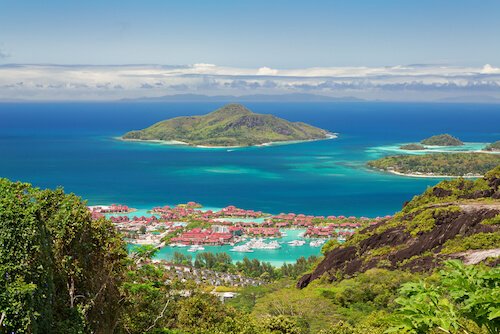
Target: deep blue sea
[{"x": 72, "y": 145}]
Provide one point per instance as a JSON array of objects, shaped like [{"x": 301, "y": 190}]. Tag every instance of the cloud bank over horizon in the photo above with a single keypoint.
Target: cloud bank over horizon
[{"x": 417, "y": 82}]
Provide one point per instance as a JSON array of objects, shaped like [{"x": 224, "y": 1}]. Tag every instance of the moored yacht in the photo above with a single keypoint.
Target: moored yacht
[
  {"x": 296, "y": 243},
  {"x": 241, "y": 249},
  {"x": 195, "y": 248},
  {"x": 316, "y": 243},
  {"x": 261, "y": 244}
]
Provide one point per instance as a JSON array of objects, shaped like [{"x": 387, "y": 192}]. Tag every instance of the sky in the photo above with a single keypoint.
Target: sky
[{"x": 246, "y": 36}]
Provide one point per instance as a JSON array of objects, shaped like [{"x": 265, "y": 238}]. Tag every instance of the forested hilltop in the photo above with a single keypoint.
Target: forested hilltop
[
  {"x": 442, "y": 140},
  {"x": 443, "y": 164},
  {"x": 231, "y": 125},
  {"x": 63, "y": 272}
]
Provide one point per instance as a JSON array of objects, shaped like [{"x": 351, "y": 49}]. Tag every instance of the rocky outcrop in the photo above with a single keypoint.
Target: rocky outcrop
[
  {"x": 398, "y": 243},
  {"x": 348, "y": 261},
  {"x": 440, "y": 192},
  {"x": 474, "y": 257}
]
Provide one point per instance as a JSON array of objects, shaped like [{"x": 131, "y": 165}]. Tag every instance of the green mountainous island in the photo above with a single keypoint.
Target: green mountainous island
[
  {"x": 438, "y": 164},
  {"x": 442, "y": 140},
  {"x": 230, "y": 126},
  {"x": 437, "y": 140}
]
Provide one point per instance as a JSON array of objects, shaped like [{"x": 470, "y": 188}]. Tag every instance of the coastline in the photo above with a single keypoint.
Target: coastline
[
  {"x": 153, "y": 141},
  {"x": 429, "y": 175},
  {"x": 469, "y": 148},
  {"x": 177, "y": 142}
]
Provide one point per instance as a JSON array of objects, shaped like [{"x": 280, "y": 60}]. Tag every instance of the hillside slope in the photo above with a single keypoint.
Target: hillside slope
[
  {"x": 455, "y": 219},
  {"x": 231, "y": 125}
]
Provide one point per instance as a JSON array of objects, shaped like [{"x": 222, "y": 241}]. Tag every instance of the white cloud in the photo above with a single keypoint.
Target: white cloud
[
  {"x": 89, "y": 82},
  {"x": 488, "y": 69},
  {"x": 266, "y": 71}
]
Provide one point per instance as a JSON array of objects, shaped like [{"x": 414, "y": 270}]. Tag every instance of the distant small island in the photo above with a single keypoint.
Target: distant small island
[
  {"x": 493, "y": 147},
  {"x": 412, "y": 147},
  {"x": 442, "y": 140},
  {"x": 230, "y": 126},
  {"x": 438, "y": 164}
]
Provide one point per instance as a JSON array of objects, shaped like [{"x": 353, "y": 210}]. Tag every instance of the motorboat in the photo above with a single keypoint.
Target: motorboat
[
  {"x": 316, "y": 243},
  {"x": 241, "y": 249},
  {"x": 296, "y": 243},
  {"x": 195, "y": 248},
  {"x": 261, "y": 244}
]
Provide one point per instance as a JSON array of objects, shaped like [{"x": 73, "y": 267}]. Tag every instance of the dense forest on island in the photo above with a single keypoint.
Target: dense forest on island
[
  {"x": 412, "y": 147},
  {"x": 432, "y": 268},
  {"x": 452, "y": 164},
  {"x": 442, "y": 140}
]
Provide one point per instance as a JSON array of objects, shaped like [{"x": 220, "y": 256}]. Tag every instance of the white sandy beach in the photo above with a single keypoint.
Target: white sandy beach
[
  {"x": 177, "y": 142},
  {"x": 430, "y": 175}
]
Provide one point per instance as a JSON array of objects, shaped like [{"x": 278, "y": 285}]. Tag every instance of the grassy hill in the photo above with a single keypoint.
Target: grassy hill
[
  {"x": 455, "y": 219},
  {"x": 231, "y": 125}
]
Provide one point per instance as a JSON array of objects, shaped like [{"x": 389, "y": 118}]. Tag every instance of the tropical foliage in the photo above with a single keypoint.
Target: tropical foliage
[
  {"x": 459, "y": 295},
  {"x": 254, "y": 268},
  {"x": 453, "y": 164},
  {"x": 59, "y": 269}
]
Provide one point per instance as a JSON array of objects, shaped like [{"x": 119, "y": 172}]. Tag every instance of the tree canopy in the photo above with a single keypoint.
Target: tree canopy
[{"x": 58, "y": 268}]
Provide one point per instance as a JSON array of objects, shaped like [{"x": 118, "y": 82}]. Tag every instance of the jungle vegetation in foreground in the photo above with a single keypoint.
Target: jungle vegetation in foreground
[
  {"x": 231, "y": 125},
  {"x": 62, "y": 272},
  {"x": 452, "y": 164}
]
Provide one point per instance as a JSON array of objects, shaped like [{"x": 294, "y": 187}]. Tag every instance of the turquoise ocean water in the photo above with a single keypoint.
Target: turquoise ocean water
[{"x": 73, "y": 145}]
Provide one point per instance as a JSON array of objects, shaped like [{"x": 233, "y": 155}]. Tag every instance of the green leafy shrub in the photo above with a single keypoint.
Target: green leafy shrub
[
  {"x": 281, "y": 324},
  {"x": 462, "y": 294},
  {"x": 492, "y": 221},
  {"x": 329, "y": 245},
  {"x": 426, "y": 220},
  {"x": 475, "y": 241}
]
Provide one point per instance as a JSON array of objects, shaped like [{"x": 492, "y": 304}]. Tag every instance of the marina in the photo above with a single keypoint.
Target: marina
[{"x": 190, "y": 229}]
